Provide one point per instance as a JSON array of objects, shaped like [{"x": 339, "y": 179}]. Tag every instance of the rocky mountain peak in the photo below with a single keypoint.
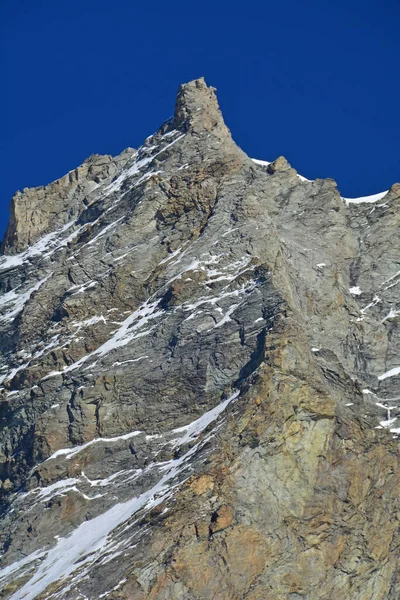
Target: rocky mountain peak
[
  {"x": 199, "y": 378},
  {"x": 197, "y": 108}
]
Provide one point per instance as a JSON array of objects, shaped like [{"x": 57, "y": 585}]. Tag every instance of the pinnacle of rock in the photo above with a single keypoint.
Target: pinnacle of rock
[
  {"x": 197, "y": 107},
  {"x": 279, "y": 164}
]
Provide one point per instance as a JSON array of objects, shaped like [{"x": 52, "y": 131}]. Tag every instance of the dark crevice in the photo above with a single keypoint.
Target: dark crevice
[{"x": 256, "y": 357}]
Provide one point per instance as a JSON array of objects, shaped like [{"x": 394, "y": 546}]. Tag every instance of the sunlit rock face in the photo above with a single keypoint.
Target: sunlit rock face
[{"x": 200, "y": 376}]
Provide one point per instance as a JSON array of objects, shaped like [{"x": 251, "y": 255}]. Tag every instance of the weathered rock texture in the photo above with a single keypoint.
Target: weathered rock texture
[{"x": 197, "y": 350}]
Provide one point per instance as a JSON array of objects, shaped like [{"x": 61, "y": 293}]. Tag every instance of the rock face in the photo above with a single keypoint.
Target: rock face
[{"x": 200, "y": 368}]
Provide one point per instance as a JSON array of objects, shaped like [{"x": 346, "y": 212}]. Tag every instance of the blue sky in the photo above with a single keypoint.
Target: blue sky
[{"x": 315, "y": 81}]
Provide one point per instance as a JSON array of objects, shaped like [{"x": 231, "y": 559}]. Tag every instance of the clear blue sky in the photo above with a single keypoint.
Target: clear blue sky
[{"x": 317, "y": 81}]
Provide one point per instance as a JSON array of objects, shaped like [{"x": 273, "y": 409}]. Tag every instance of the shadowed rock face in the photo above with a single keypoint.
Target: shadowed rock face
[{"x": 197, "y": 355}]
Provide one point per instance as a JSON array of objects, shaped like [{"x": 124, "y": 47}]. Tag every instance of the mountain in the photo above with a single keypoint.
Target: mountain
[{"x": 199, "y": 378}]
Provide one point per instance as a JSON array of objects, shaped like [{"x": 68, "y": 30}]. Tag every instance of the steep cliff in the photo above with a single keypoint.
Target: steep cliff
[{"x": 199, "y": 367}]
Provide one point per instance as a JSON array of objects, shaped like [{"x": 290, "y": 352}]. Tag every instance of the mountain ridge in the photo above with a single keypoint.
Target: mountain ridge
[{"x": 93, "y": 167}]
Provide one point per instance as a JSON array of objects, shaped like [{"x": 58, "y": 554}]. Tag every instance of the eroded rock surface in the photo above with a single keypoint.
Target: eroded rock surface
[{"x": 200, "y": 368}]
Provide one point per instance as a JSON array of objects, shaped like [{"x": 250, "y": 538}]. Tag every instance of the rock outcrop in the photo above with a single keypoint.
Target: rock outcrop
[{"x": 199, "y": 368}]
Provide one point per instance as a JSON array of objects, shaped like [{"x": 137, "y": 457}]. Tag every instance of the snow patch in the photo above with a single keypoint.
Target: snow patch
[
  {"x": 192, "y": 430},
  {"x": 227, "y": 316},
  {"x": 68, "y": 453},
  {"x": 392, "y": 373},
  {"x": 355, "y": 291},
  {"x": 17, "y": 301},
  {"x": 391, "y": 315},
  {"x": 365, "y": 199}
]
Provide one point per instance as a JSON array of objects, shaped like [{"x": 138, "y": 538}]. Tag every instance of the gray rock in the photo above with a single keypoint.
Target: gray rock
[{"x": 186, "y": 337}]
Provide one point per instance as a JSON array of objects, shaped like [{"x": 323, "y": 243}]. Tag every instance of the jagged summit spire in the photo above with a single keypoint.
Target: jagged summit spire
[{"x": 197, "y": 107}]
